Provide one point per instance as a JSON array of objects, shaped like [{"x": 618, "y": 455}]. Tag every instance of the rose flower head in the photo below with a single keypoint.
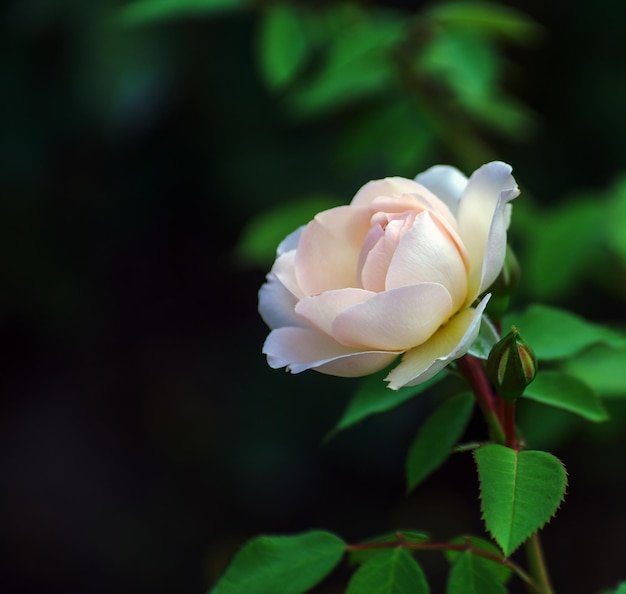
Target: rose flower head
[{"x": 396, "y": 272}]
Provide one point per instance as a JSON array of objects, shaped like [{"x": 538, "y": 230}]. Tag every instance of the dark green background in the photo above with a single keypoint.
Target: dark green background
[{"x": 142, "y": 436}]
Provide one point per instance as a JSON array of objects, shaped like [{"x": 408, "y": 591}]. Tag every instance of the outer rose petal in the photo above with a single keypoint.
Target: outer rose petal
[
  {"x": 445, "y": 182},
  {"x": 427, "y": 254},
  {"x": 299, "y": 349},
  {"x": 450, "y": 342},
  {"x": 483, "y": 221},
  {"x": 285, "y": 271},
  {"x": 329, "y": 248},
  {"x": 395, "y": 320},
  {"x": 277, "y": 304}
]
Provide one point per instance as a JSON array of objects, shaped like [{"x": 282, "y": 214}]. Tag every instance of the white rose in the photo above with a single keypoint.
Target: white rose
[{"x": 397, "y": 271}]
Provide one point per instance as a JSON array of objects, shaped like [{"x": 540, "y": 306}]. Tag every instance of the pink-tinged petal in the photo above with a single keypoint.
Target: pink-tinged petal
[
  {"x": 328, "y": 251},
  {"x": 445, "y": 182},
  {"x": 427, "y": 254},
  {"x": 390, "y": 186},
  {"x": 482, "y": 222},
  {"x": 299, "y": 349},
  {"x": 277, "y": 304},
  {"x": 376, "y": 262},
  {"x": 399, "y": 203},
  {"x": 395, "y": 320},
  {"x": 449, "y": 343},
  {"x": 421, "y": 199},
  {"x": 285, "y": 271},
  {"x": 373, "y": 236},
  {"x": 290, "y": 242},
  {"x": 321, "y": 310}
]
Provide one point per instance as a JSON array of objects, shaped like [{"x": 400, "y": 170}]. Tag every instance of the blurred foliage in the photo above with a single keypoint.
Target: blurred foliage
[{"x": 154, "y": 153}]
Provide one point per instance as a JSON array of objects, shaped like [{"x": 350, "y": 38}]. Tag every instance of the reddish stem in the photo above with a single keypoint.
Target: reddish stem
[
  {"x": 487, "y": 400},
  {"x": 444, "y": 546}
]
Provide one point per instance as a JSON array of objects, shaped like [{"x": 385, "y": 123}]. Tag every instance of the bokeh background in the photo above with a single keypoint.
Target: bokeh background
[{"x": 154, "y": 152}]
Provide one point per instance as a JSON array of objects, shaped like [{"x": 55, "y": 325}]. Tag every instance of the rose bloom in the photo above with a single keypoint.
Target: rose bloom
[{"x": 398, "y": 271}]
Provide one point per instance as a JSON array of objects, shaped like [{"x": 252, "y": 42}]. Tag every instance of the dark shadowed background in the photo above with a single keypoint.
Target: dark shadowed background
[{"x": 143, "y": 439}]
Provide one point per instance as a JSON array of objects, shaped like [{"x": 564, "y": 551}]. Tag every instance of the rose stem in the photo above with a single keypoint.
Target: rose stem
[
  {"x": 471, "y": 369},
  {"x": 537, "y": 564},
  {"x": 488, "y": 401}
]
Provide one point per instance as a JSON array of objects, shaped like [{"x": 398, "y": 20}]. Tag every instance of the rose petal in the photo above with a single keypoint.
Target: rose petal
[
  {"x": 483, "y": 221},
  {"x": 427, "y": 254},
  {"x": 373, "y": 272},
  {"x": 449, "y": 343},
  {"x": 277, "y": 304},
  {"x": 328, "y": 252},
  {"x": 285, "y": 271},
  {"x": 420, "y": 199},
  {"x": 445, "y": 182},
  {"x": 395, "y": 320},
  {"x": 299, "y": 349},
  {"x": 390, "y": 186},
  {"x": 321, "y": 310}
]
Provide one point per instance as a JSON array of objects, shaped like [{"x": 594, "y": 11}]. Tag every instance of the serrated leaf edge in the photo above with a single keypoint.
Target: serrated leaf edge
[{"x": 545, "y": 523}]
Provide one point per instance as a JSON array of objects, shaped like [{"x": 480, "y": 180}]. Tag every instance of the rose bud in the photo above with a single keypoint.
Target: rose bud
[
  {"x": 511, "y": 365},
  {"x": 396, "y": 272}
]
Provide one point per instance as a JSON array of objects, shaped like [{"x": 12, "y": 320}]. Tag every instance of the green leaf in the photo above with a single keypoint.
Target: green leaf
[
  {"x": 285, "y": 564},
  {"x": 260, "y": 238},
  {"x": 621, "y": 589},
  {"x": 548, "y": 239},
  {"x": 568, "y": 393},
  {"x": 500, "y": 571},
  {"x": 603, "y": 369},
  {"x": 502, "y": 114},
  {"x": 373, "y": 396},
  {"x": 556, "y": 334},
  {"x": 471, "y": 574},
  {"x": 359, "y": 556},
  {"x": 436, "y": 438},
  {"x": 357, "y": 63},
  {"x": 519, "y": 491},
  {"x": 616, "y": 219},
  {"x": 487, "y": 18},
  {"x": 283, "y": 46},
  {"x": 148, "y": 11},
  {"x": 392, "y": 571},
  {"x": 468, "y": 63}
]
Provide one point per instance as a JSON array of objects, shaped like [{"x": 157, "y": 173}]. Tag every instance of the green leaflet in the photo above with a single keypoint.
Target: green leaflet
[
  {"x": 471, "y": 574},
  {"x": 285, "y": 564},
  {"x": 519, "y": 491},
  {"x": 602, "y": 369},
  {"x": 486, "y": 18},
  {"x": 500, "y": 571},
  {"x": 392, "y": 571},
  {"x": 436, "y": 438},
  {"x": 147, "y": 11},
  {"x": 568, "y": 393},
  {"x": 283, "y": 46},
  {"x": 373, "y": 396},
  {"x": 557, "y": 334}
]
